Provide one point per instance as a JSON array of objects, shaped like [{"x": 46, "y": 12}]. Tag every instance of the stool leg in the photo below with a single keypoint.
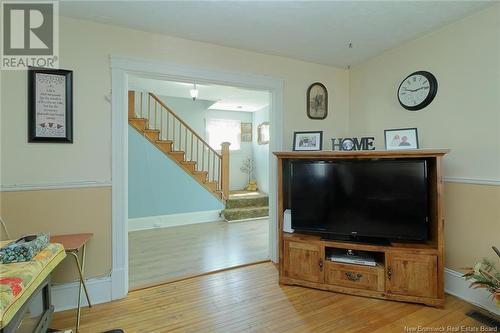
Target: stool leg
[{"x": 82, "y": 283}]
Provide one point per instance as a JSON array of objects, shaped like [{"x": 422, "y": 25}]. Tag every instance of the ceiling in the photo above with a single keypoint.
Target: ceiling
[
  {"x": 223, "y": 97},
  {"x": 314, "y": 31}
]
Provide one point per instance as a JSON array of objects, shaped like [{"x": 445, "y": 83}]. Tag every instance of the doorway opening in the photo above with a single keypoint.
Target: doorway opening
[{"x": 198, "y": 178}]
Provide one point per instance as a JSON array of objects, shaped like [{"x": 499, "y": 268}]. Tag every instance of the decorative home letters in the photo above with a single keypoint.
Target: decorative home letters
[{"x": 364, "y": 143}]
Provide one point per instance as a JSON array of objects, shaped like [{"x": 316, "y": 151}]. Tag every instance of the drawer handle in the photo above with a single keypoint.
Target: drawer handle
[
  {"x": 321, "y": 265},
  {"x": 353, "y": 277}
]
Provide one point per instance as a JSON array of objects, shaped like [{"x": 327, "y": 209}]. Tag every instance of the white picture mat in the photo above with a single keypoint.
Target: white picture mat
[
  {"x": 307, "y": 141},
  {"x": 394, "y": 139},
  {"x": 50, "y": 105}
]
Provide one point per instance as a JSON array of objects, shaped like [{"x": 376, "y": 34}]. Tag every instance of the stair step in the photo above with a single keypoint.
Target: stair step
[
  {"x": 177, "y": 155},
  {"x": 211, "y": 185},
  {"x": 190, "y": 165},
  {"x": 152, "y": 134},
  {"x": 235, "y": 214},
  {"x": 138, "y": 123},
  {"x": 164, "y": 145},
  {"x": 201, "y": 175},
  {"x": 259, "y": 200}
]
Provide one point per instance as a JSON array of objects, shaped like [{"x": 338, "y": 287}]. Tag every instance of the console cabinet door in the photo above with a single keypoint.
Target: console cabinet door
[
  {"x": 411, "y": 274},
  {"x": 303, "y": 261}
]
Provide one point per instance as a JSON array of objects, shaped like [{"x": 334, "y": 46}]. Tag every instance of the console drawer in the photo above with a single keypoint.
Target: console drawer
[{"x": 355, "y": 276}]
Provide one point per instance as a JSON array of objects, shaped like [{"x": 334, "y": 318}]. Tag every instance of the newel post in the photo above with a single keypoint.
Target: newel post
[
  {"x": 225, "y": 169},
  {"x": 131, "y": 104}
]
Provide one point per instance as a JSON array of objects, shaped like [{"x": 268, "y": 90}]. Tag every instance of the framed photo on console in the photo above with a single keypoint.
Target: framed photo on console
[
  {"x": 401, "y": 138},
  {"x": 50, "y": 105},
  {"x": 308, "y": 141}
]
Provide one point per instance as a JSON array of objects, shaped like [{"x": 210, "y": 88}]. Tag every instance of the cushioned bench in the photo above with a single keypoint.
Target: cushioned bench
[{"x": 18, "y": 281}]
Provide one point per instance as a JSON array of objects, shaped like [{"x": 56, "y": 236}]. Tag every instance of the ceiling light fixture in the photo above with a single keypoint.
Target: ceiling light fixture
[{"x": 194, "y": 92}]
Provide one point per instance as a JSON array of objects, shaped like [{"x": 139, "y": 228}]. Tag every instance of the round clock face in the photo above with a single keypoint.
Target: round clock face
[
  {"x": 347, "y": 144},
  {"x": 417, "y": 90}
]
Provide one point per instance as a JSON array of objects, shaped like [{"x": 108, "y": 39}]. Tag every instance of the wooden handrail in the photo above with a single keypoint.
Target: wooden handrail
[
  {"x": 164, "y": 106},
  {"x": 210, "y": 167}
]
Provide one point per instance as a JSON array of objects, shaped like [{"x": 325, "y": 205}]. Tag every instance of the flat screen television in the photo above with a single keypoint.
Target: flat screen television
[{"x": 356, "y": 199}]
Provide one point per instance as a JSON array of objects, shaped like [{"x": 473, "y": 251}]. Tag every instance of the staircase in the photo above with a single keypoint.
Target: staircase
[
  {"x": 170, "y": 134},
  {"x": 244, "y": 206}
]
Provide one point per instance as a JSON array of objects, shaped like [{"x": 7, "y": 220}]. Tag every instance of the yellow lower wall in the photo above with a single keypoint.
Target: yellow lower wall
[
  {"x": 64, "y": 211},
  {"x": 472, "y": 222}
]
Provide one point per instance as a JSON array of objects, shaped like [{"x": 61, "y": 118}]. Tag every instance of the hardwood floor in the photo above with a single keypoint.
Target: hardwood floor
[
  {"x": 169, "y": 254},
  {"x": 249, "y": 299}
]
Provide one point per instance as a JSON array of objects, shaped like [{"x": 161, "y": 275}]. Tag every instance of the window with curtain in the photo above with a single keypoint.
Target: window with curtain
[{"x": 224, "y": 130}]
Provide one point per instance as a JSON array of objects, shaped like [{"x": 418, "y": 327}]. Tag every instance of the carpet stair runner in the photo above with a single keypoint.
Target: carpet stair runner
[{"x": 244, "y": 207}]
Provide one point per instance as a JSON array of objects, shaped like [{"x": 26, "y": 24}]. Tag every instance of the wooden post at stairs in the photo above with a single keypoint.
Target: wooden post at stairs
[
  {"x": 225, "y": 169},
  {"x": 131, "y": 104}
]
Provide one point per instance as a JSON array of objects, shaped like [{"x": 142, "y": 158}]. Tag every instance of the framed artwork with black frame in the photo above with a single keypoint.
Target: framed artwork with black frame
[
  {"x": 308, "y": 141},
  {"x": 317, "y": 101},
  {"x": 50, "y": 105},
  {"x": 401, "y": 138}
]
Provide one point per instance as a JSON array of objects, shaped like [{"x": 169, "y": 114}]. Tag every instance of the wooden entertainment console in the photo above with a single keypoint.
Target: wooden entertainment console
[{"x": 411, "y": 272}]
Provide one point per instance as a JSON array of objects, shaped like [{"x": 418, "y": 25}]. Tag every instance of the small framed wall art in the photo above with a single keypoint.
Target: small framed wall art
[
  {"x": 317, "y": 101},
  {"x": 50, "y": 105},
  {"x": 263, "y": 133},
  {"x": 401, "y": 138},
  {"x": 246, "y": 132},
  {"x": 308, "y": 141}
]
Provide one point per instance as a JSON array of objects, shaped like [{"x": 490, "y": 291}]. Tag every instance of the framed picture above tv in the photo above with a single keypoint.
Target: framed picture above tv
[
  {"x": 401, "y": 138},
  {"x": 308, "y": 141}
]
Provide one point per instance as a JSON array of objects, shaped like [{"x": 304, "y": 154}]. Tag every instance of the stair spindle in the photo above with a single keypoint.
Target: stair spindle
[
  {"x": 213, "y": 167},
  {"x": 149, "y": 112},
  {"x": 154, "y": 127},
  {"x": 191, "y": 153},
  {"x": 141, "y": 105}
]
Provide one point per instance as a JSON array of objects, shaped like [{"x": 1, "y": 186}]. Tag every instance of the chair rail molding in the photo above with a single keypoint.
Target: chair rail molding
[{"x": 121, "y": 68}]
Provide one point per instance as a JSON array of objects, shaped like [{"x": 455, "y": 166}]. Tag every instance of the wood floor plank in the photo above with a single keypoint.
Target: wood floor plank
[
  {"x": 249, "y": 299},
  {"x": 167, "y": 254}
]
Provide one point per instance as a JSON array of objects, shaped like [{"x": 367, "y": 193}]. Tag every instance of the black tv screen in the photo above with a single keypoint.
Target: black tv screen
[{"x": 371, "y": 198}]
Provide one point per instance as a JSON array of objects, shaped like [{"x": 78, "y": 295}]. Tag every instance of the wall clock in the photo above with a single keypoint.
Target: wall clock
[
  {"x": 317, "y": 101},
  {"x": 417, "y": 90}
]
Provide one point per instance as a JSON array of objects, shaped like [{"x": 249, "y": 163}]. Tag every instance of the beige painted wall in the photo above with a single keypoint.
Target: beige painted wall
[
  {"x": 65, "y": 211},
  {"x": 464, "y": 116},
  {"x": 85, "y": 48}
]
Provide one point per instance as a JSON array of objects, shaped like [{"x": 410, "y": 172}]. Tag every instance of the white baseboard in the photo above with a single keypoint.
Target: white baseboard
[
  {"x": 65, "y": 296},
  {"x": 456, "y": 285},
  {"x": 163, "y": 221}
]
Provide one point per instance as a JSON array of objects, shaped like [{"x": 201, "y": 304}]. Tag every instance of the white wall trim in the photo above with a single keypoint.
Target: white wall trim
[
  {"x": 65, "y": 296},
  {"x": 52, "y": 186},
  {"x": 476, "y": 181},
  {"x": 172, "y": 220},
  {"x": 121, "y": 68},
  {"x": 456, "y": 285}
]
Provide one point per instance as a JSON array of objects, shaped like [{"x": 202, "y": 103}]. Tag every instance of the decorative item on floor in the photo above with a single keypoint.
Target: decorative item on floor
[
  {"x": 308, "y": 141},
  {"x": 50, "y": 105},
  {"x": 401, "y": 138},
  {"x": 317, "y": 101},
  {"x": 246, "y": 132},
  {"x": 364, "y": 143},
  {"x": 23, "y": 249},
  {"x": 417, "y": 90},
  {"x": 248, "y": 167},
  {"x": 263, "y": 133},
  {"x": 485, "y": 275}
]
